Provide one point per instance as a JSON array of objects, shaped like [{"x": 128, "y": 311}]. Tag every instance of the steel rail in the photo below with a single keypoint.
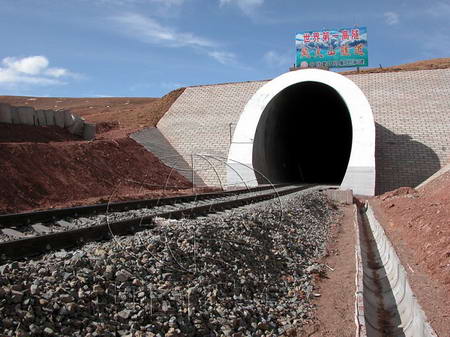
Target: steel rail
[
  {"x": 32, "y": 246},
  {"x": 60, "y": 213}
]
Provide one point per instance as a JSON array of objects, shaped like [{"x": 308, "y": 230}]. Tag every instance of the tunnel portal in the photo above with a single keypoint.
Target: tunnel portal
[
  {"x": 309, "y": 125},
  {"x": 303, "y": 135}
]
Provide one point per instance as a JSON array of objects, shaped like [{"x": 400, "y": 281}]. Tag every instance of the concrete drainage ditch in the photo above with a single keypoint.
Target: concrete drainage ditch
[{"x": 385, "y": 303}]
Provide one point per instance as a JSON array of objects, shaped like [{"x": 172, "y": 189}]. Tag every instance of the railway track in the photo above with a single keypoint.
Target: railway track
[
  {"x": 55, "y": 214},
  {"x": 53, "y": 233}
]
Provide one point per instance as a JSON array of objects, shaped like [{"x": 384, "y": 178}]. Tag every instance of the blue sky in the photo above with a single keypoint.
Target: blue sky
[{"x": 146, "y": 48}]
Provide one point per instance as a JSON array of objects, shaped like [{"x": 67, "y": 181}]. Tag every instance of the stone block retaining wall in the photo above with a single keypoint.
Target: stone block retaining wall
[
  {"x": 411, "y": 111},
  {"x": 25, "y": 115}
]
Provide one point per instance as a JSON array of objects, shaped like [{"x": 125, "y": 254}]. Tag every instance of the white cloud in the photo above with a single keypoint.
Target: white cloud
[
  {"x": 32, "y": 70},
  {"x": 246, "y": 6},
  {"x": 32, "y": 65},
  {"x": 275, "y": 59},
  {"x": 391, "y": 18},
  {"x": 157, "y": 8},
  {"x": 166, "y": 3},
  {"x": 150, "y": 31},
  {"x": 57, "y": 72},
  {"x": 169, "y": 2},
  {"x": 223, "y": 57}
]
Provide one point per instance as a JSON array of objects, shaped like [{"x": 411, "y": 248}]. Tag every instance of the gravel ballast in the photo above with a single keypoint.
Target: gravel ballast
[{"x": 249, "y": 272}]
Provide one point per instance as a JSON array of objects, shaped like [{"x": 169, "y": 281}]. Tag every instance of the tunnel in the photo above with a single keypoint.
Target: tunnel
[
  {"x": 305, "y": 126},
  {"x": 303, "y": 135}
]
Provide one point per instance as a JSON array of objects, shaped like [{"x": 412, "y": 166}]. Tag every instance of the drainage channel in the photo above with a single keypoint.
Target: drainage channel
[{"x": 387, "y": 306}]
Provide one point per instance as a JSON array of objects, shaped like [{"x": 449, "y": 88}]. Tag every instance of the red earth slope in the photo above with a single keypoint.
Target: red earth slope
[
  {"x": 39, "y": 176},
  {"x": 421, "y": 218},
  {"x": 46, "y": 167}
]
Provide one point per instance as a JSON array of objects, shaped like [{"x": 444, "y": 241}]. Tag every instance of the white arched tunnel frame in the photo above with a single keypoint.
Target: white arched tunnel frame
[{"x": 360, "y": 173}]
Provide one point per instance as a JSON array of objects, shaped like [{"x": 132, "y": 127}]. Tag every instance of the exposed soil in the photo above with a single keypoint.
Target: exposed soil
[
  {"x": 438, "y": 63},
  {"x": 423, "y": 218},
  {"x": 47, "y": 167},
  {"x": 336, "y": 304},
  {"x": 26, "y": 133},
  {"x": 116, "y": 116},
  {"x": 418, "y": 223},
  {"x": 37, "y": 176}
]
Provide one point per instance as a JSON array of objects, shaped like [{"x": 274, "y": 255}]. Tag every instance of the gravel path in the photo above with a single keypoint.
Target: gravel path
[{"x": 249, "y": 272}]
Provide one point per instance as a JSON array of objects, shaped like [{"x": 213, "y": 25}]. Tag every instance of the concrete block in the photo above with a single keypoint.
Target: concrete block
[
  {"x": 89, "y": 131},
  {"x": 65, "y": 224},
  {"x": 40, "y": 118},
  {"x": 13, "y": 233},
  {"x": 41, "y": 229},
  {"x": 15, "y": 118},
  {"x": 340, "y": 196},
  {"x": 77, "y": 127},
  {"x": 60, "y": 118},
  {"x": 26, "y": 115},
  {"x": 69, "y": 119},
  {"x": 5, "y": 113},
  {"x": 49, "y": 117}
]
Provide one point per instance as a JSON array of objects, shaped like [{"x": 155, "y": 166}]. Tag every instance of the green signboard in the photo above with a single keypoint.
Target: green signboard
[{"x": 346, "y": 47}]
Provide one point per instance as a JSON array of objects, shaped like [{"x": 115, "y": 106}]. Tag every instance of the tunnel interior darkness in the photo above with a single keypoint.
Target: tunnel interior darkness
[{"x": 304, "y": 135}]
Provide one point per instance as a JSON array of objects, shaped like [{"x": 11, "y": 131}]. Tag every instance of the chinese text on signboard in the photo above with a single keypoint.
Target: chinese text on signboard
[{"x": 346, "y": 47}]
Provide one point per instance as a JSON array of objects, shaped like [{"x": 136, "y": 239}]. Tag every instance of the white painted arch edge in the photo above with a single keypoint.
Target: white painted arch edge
[{"x": 360, "y": 173}]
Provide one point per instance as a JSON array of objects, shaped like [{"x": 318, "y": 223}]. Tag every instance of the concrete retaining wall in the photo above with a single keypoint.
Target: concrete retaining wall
[
  {"x": 5, "y": 113},
  {"x": 202, "y": 121},
  {"x": 153, "y": 140},
  {"x": 438, "y": 174},
  {"x": 62, "y": 118},
  {"x": 411, "y": 111},
  {"x": 412, "y": 115},
  {"x": 40, "y": 115},
  {"x": 26, "y": 114}
]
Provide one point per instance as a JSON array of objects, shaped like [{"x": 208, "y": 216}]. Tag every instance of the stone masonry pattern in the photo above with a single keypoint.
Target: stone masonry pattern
[
  {"x": 411, "y": 110},
  {"x": 202, "y": 122},
  {"x": 412, "y": 120}
]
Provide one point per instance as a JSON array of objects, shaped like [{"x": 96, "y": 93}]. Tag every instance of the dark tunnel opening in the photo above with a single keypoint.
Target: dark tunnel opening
[{"x": 303, "y": 135}]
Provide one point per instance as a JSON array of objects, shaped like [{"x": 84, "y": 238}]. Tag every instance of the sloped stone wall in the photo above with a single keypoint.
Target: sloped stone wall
[{"x": 411, "y": 110}]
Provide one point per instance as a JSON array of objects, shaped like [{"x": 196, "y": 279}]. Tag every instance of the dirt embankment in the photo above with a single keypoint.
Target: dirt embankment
[
  {"x": 37, "y": 175},
  {"x": 26, "y": 133},
  {"x": 422, "y": 219},
  {"x": 115, "y": 116},
  {"x": 438, "y": 63},
  {"x": 418, "y": 224},
  {"x": 46, "y": 167}
]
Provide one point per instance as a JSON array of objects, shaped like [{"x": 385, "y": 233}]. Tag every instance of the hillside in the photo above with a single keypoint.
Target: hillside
[
  {"x": 111, "y": 114},
  {"x": 438, "y": 63},
  {"x": 46, "y": 167}
]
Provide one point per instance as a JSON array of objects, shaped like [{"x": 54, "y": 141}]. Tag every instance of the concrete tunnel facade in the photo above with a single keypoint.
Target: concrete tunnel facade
[{"x": 311, "y": 126}]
